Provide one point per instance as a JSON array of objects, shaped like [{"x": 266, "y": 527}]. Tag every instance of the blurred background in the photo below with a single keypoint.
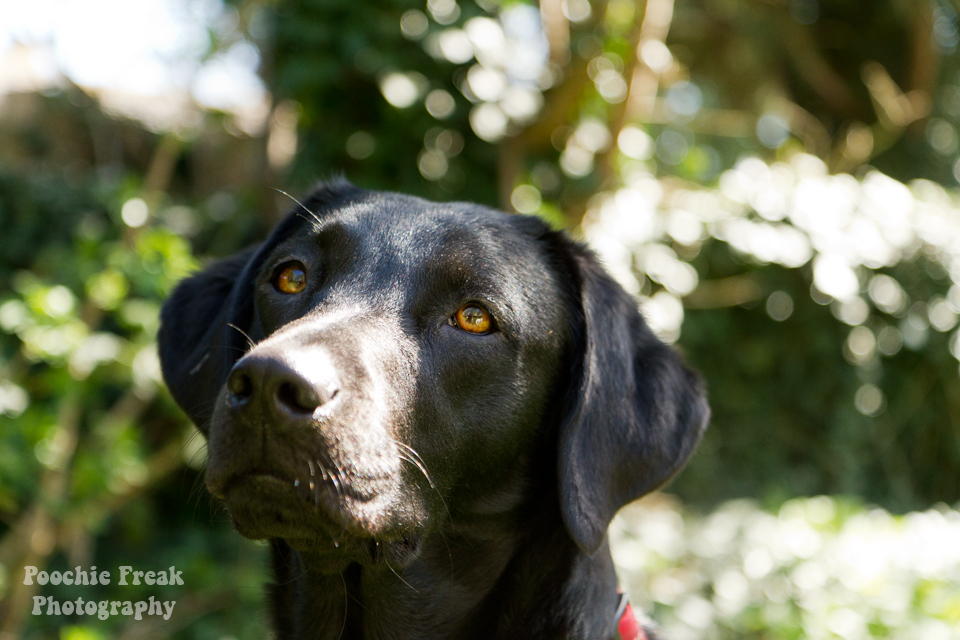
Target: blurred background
[{"x": 775, "y": 180}]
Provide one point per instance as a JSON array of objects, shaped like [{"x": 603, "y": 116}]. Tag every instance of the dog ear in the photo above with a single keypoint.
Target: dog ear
[
  {"x": 196, "y": 342},
  {"x": 635, "y": 412}
]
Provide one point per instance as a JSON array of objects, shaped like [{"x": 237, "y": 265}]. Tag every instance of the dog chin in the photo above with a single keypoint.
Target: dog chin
[
  {"x": 321, "y": 556},
  {"x": 263, "y": 507}
]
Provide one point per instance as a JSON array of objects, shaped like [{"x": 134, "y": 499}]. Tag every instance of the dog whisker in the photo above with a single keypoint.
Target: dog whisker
[
  {"x": 399, "y": 577},
  {"x": 346, "y": 601},
  {"x": 336, "y": 476},
  {"x": 227, "y": 347},
  {"x": 198, "y": 406},
  {"x": 243, "y": 333},
  {"x": 196, "y": 491},
  {"x": 415, "y": 459},
  {"x": 303, "y": 217},
  {"x": 330, "y": 480},
  {"x": 409, "y": 454},
  {"x": 313, "y": 216}
]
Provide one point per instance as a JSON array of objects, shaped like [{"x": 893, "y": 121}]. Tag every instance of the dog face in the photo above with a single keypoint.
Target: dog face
[{"x": 383, "y": 365}]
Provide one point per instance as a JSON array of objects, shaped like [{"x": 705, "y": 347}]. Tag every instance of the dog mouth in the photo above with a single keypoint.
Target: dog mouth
[
  {"x": 317, "y": 516},
  {"x": 261, "y": 498},
  {"x": 264, "y": 505},
  {"x": 312, "y": 487}
]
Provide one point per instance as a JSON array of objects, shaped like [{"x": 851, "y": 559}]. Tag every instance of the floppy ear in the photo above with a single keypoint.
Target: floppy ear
[
  {"x": 196, "y": 342},
  {"x": 635, "y": 412}
]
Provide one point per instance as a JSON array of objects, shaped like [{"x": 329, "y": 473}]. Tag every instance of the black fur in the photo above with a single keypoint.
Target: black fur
[{"x": 417, "y": 480}]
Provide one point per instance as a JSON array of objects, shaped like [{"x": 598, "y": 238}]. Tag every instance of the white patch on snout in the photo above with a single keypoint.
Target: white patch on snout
[
  {"x": 315, "y": 365},
  {"x": 318, "y": 322}
]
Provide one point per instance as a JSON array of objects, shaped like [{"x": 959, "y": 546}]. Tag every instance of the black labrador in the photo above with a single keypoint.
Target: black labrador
[{"x": 432, "y": 411}]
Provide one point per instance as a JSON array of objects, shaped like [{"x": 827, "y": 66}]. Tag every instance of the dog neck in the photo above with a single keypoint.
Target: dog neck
[{"x": 479, "y": 583}]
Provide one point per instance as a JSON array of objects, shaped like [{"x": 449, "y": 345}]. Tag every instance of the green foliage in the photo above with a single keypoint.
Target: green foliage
[
  {"x": 784, "y": 417},
  {"x": 91, "y": 446},
  {"x": 334, "y": 80},
  {"x": 815, "y": 568}
]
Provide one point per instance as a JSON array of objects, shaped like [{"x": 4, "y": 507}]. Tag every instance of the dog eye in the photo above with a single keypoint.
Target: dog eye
[
  {"x": 291, "y": 278},
  {"x": 473, "y": 318}
]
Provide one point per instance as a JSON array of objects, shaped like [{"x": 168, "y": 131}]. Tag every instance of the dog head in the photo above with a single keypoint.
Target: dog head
[{"x": 382, "y": 363}]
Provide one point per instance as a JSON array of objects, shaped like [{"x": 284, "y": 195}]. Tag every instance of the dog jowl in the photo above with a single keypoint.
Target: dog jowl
[{"x": 432, "y": 411}]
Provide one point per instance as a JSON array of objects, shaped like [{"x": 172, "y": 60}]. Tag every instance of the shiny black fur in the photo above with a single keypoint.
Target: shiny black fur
[{"x": 416, "y": 480}]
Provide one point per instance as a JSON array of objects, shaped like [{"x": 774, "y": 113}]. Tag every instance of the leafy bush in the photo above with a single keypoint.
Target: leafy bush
[
  {"x": 92, "y": 449},
  {"x": 817, "y": 568}
]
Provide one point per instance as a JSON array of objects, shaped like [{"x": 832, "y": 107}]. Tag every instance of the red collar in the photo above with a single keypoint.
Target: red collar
[{"x": 627, "y": 626}]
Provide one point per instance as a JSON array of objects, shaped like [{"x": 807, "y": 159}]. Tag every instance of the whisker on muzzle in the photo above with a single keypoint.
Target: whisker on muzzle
[
  {"x": 243, "y": 333},
  {"x": 415, "y": 459},
  {"x": 409, "y": 454},
  {"x": 330, "y": 478}
]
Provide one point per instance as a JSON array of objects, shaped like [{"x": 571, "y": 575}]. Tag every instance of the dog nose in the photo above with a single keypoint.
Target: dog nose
[{"x": 286, "y": 386}]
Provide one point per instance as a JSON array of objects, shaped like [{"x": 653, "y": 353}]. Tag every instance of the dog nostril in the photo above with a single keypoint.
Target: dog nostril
[
  {"x": 297, "y": 398},
  {"x": 240, "y": 386}
]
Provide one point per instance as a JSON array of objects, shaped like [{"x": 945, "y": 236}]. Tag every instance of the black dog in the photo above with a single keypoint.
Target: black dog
[{"x": 432, "y": 411}]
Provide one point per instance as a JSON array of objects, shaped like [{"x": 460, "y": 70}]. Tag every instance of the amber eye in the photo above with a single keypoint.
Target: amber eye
[
  {"x": 473, "y": 318},
  {"x": 291, "y": 278}
]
